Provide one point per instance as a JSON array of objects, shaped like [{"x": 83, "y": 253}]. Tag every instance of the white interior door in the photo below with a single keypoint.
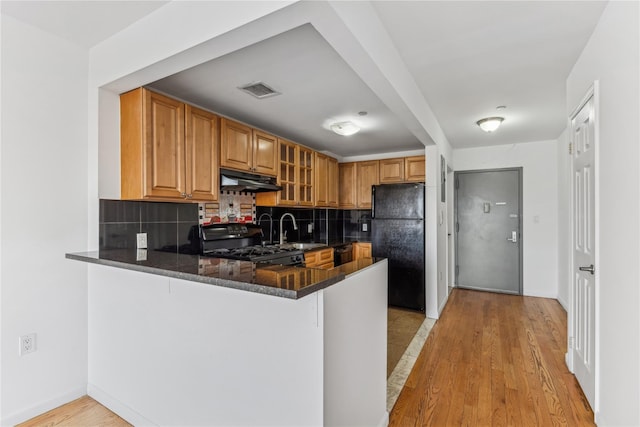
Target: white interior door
[{"x": 584, "y": 259}]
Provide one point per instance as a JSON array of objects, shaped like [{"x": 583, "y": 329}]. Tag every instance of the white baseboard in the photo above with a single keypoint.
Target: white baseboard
[
  {"x": 42, "y": 407},
  {"x": 564, "y": 304},
  {"x": 442, "y": 304},
  {"x": 384, "y": 422},
  {"x": 124, "y": 411}
]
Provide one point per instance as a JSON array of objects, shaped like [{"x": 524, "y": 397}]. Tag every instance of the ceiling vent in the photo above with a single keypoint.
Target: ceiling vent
[{"x": 259, "y": 90}]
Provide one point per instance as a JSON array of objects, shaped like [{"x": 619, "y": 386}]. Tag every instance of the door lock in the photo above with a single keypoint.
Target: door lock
[
  {"x": 514, "y": 237},
  {"x": 591, "y": 269}
]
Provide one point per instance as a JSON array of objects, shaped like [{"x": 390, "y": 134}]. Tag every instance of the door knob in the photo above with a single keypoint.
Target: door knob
[
  {"x": 591, "y": 269},
  {"x": 514, "y": 237}
]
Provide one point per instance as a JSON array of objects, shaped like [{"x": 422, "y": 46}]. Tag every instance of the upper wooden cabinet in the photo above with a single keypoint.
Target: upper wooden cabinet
[
  {"x": 414, "y": 169},
  {"x": 169, "y": 150},
  {"x": 366, "y": 177},
  {"x": 326, "y": 181},
  {"x": 247, "y": 149},
  {"x": 332, "y": 182},
  {"x": 305, "y": 176},
  {"x": 402, "y": 169},
  {"x": 391, "y": 170},
  {"x": 347, "y": 185},
  {"x": 356, "y": 180},
  {"x": 202, "y": 146},
  {"x": 295, "y": 176}
]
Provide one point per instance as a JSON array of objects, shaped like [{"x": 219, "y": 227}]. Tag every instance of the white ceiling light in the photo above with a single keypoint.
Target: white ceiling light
[
  {"x": 490, "y": 124},
  {"x": 344, "y": 128}
]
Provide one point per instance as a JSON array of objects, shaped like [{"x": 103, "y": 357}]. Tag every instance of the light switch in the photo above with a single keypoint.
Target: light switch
[{"x": 364, "y": 226}]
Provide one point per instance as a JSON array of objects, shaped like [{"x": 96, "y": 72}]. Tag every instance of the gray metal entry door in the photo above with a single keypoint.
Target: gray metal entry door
[{"x": 488, "y": 230}]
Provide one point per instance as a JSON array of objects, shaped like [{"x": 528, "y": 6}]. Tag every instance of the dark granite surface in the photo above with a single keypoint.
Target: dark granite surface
[
  {"x": 276, "y": 280},
  {"x": 356, "y": 265}
]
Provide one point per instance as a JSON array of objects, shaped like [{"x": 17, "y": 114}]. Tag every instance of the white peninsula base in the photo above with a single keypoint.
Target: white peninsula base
[{"x": 164, "y": 351}]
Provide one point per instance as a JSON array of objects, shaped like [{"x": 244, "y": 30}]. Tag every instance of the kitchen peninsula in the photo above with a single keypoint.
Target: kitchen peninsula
[{"x": 187, "y": 340}]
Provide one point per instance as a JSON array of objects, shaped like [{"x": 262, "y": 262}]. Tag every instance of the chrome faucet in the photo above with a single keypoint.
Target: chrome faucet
[
  {"x": 283, "y": 235},
  {"x": 270, "y": 225}
]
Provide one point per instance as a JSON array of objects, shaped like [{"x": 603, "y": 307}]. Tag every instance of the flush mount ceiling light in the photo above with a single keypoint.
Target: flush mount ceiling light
[
  {"x": 344, "y": 128},
  {"x": 490, "y": 124}
]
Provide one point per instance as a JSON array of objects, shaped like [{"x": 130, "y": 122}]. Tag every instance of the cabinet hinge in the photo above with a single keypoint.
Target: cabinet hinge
[
  {"x": 570, "y": 342},
  {"x": 570, "y": 148}
]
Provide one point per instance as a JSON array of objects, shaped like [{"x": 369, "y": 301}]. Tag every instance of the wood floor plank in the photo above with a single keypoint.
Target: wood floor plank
[
  {"x": 494, "y": 359},
  {"x": 84, "y": 412}
]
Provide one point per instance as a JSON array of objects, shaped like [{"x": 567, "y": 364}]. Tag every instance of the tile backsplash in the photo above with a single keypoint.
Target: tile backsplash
[
  {"x": 316, "y": 225},
  {"x": 166, "y": 224}
]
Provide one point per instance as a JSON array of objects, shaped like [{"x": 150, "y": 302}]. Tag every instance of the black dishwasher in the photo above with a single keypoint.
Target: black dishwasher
[{"x": 342, "y": 254}]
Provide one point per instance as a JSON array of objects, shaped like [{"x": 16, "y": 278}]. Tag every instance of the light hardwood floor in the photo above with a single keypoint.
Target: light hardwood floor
[
  {"x": 83, "y": 412},
  {"x": 494, "y": 360}
]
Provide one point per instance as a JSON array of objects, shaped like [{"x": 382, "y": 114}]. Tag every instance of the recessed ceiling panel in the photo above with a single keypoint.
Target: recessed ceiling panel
[{"x": 316, "y": 88}]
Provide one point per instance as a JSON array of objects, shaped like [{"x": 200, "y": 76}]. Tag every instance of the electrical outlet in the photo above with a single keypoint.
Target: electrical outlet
[
  {"x": 141, "y": 240},
  {"x": 364, "y": 226},
  {"x": 141, "y": 255},
  {"x": 310, "y": 228},
  {"x": 27, "y": 344}
]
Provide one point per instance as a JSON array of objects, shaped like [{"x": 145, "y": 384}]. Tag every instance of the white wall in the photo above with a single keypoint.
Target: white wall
[
  {"x": 44, "y": 214},
  {"x": 612, "y": 58},
  {"x": 564, "y": 218},
  {"x": 539, "y": 202}
]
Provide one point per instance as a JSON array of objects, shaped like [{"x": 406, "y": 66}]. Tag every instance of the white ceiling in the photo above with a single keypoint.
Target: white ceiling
[{"x": 466, "y": 58}]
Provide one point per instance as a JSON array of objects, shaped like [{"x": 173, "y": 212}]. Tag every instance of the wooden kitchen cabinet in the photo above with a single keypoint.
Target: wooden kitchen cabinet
[
  {"x": 322, "y": 258},
  {"x": 295, "y": 176},
  {"x": 402, "y": 169},
  {"x": 347, "y": 185},
  {"x": 326, "y": 181},
  {"x": 391, "y": 170},
  {"x": 332, "y": 182},
  {"x": 247, "y": 149},
  {"x": 305, "y": 176},
  {"x": 169, "y": 150},
  {"x": 361, "y": 250},
  {"x": 414, "y": 169},
  {"x": 366, "y": 177}
]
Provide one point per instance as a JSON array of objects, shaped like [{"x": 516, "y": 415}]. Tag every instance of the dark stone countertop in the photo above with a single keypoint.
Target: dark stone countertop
[{"x": 276, "y": 280}]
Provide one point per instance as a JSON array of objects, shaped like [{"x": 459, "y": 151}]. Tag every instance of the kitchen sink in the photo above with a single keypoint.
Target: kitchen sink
[{"x": 304, "y": 246}]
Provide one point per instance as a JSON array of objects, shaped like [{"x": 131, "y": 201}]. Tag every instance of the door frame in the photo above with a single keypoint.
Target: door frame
[
  {"x": 592, "y": 92},
  {"x": 520, "y": 222}
]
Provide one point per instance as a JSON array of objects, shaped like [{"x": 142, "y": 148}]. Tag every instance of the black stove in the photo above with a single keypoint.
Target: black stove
[{"x": 243, "y": 242}]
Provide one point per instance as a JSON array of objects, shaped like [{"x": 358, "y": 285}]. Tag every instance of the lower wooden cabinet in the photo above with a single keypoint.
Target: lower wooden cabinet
[
  {"x": 322, "y": 258},
  {"x": 361, "y": 250}
]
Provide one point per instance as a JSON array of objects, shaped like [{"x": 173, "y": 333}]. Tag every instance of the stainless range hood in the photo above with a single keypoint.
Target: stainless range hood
[{"x": 231, "y": 180}]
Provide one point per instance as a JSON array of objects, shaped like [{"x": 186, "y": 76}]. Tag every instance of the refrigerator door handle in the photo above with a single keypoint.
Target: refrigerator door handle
[{"x": 373, "y": 202}]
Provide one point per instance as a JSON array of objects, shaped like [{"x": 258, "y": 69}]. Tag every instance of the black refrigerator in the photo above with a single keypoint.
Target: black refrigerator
[{"x": 397, "y": 233}]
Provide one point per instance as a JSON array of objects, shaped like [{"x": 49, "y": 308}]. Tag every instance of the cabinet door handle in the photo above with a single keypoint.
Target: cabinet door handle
[{"x": 183, "y": 195}]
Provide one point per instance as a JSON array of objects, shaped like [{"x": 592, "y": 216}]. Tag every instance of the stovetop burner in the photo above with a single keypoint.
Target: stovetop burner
[
  {"x": 254, "y": 253},
  {"x": 242, "y": 242}
]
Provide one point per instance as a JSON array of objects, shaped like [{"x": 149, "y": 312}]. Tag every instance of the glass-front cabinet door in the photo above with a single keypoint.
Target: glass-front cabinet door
[
  {"x": 287, "y": 172},
  {"x": 305, "y": 176}
]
